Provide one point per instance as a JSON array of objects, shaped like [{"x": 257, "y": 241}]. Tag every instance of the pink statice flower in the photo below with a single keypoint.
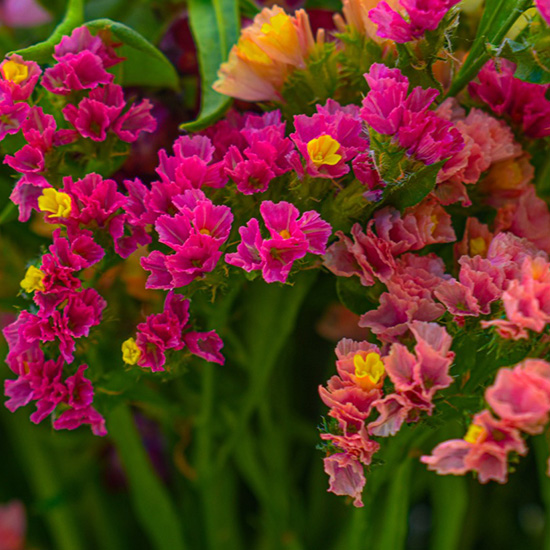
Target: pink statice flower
[
  {"x": 329, "y": 139},
  {"x": 195, "y": 235},
  {"x": 82, "y": 40},
  {"x": 170, "y": 330},
  {"x": 544, "y": 9},
  {"x": 291, "y": 237},
  {"x": 12, "y": 116},
  {"x": 192, "y": 165},
  {"x": 74, "y": 72},
  {"x": 346, "y": 476},
  {"x": 18, "y": 77},
  {"x": 524, "y": 103},
  {"x": 410, "y": 20},
  {"x": 485, "y": 449},
  {"x": 391, "y": 110}
]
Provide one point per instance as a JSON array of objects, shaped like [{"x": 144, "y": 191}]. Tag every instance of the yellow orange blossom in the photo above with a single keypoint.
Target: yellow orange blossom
[
  {"x": 267, "y": 51},
  {"x": 33, "y": 280},
  {"x": 356, "y": 17},
  {"x": 56, "y": 203}
]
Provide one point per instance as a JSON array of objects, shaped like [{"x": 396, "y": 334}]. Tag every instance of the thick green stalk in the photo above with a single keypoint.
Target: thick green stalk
[
  {"x": 45, "y": 481},
  {"x": 152, "y": 503},
  {"x": 271, "y": 312},
  {"x": 542, "y": 454}
]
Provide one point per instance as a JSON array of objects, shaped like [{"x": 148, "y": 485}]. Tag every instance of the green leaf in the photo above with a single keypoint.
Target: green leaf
[
  {"x": 498, "y": 17},
  {"x": 413, "y": 188},
  {"x": 42, "y": 52},
  {"x": 151, "y": 502},
  {"x": 215, "y": 26},
  {"x": 145, "y": 64},
  {"x": 532, "y": 58},
  {"x": 355, "y": 296}
]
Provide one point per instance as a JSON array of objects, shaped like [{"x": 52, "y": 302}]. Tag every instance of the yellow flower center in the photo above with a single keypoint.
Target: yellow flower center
[
  {"x": 249, "y": 51},
  {"x": 15, "y": 72},
  {"x": 130, "y": 352},
  {"x": 478, "y": 246},
  {"x": 475, "y": 434},
  {"x": 33, "y": 280},
  {"x": 323, "y": 150},
  {"x": 285, "y": 234},
  {"x": 434, "y": 219},
  {"x": 205, "y": 231},
  {"x": 368, "y": 370},
  {"x": 58, "y": 204}
]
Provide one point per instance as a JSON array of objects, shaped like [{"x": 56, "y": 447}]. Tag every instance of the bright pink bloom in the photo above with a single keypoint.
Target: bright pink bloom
[
  {"x": 386, "y": 103},
  {"x": 191, "y": 167},
  {"x": 23, "y": 14},
  {"x": 39, "y": 129},
  {"x": 73, "y": 72},
  {"x": 247, "y": 256},
  {"x": 27, "y": 160},
  {"x": 11, "y": 117},
  {"x": 71, "y": 419},
  {"x": 347, "y": 476},
  {"x": 82, "y": 40},
  {"x": 525, "y": 103},
  {"x": 328, "y": 140},
  {"x": 18, "y": 89},
  {"x": 137, "y": 119},
  {"x": 544, "y": 9},
  {"x": 206, "y": 345},
  {"x": 90, "y": 119}
]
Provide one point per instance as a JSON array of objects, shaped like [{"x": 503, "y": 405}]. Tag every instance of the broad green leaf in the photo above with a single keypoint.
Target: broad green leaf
[
  {"x": 145, "y": 65},
  {"x": 414, "y": 187},
  {"x": 42, "y": 52},
  {"x": 152, "y": 504},
  {"x": 498, "y": 17},
  {"x": 215, "y": 27}
]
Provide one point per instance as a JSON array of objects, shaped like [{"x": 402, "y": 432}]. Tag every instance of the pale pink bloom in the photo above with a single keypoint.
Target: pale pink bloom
[
  {"x": 347, "y": 476},
  {"x": 485, "y": 451},
  {"x": 393, "y": 409},
  {"x": 528, "y": 217},
  {"x": 518, "y": 400}
]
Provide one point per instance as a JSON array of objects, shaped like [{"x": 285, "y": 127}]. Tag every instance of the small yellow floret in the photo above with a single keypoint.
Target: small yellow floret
[
  {"x": 478, "y": 246},
  {"x": 368, "y": 370},
  {"x": 58, "y": 204},
  {"x": 33, "y": 280},
  {"x": 15, "y": 72},
  {"x": 205, "y": 231},
  {"x": 475, "y": 434},
  {"x": 323, "y": 150},
  {"x": 130, "y": 352},
  {"x": 285, "y": 234}
]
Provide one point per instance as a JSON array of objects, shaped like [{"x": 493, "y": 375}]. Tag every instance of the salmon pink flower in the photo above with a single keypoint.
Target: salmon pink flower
[{"x": 347, "y": 476}]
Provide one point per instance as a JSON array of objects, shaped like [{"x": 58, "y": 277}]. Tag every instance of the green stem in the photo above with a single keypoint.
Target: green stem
[
  {"x": 542, "y": 452},
  {"x": 271, "y": 316},
  {"x": 151, "y": 501},
  {"x": 44, "y": 481},
  {"x": 487, "y": 34}
]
